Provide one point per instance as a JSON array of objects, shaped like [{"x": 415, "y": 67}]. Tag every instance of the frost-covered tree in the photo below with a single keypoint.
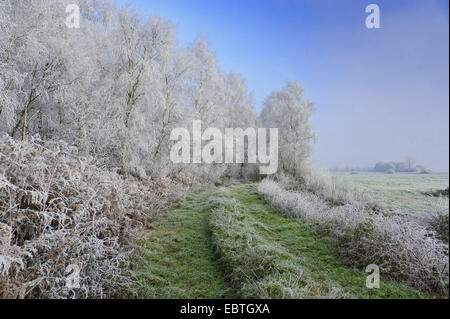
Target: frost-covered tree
[
  {"x": 138, "y": 47},
  {"x": 205, "y": 83},
  {"x": 290, "y": 113},
  {"x": 173, "y": 68},
  {"x": 239, "y": 113},
  {"x": 239, "y": 104},
  {"x": 35, "y": 55},
  {"x": 116, "y": 87}
]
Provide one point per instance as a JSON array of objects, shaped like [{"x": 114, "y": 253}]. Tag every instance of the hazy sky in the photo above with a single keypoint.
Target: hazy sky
[{"x": 380, "y": 94}]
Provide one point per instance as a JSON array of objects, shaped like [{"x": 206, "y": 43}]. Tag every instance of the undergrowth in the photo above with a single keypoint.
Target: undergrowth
[
  {"x": 58, "y": 209},
  {"x": 265, "y": 255},
  {"x": 405, "y": 250}
]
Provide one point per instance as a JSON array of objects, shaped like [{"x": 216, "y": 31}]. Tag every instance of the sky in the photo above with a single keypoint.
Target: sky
[{"x": 380, "y": 94}]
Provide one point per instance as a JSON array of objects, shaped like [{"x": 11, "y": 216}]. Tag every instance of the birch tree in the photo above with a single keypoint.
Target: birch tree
[
  {"x": 33, "y": 56},
  {"x": 174, "y": 67},
  {"x": 291, "y": 113},
  {"x": 205, "y": 84},
  {"x": 139, "y": 45},
  {"x": 239, "y": 113}
]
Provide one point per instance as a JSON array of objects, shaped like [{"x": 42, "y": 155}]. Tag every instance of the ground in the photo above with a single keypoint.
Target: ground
[
  {"x": 177, "y": 256},
  {"x": 189, "y": 253},
  {"x": 407, "y": 192}
]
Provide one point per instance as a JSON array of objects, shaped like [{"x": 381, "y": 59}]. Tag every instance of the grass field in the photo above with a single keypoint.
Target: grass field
[
  {"x": 401, "y": 191},
  {"x": 228, "y": 243}
]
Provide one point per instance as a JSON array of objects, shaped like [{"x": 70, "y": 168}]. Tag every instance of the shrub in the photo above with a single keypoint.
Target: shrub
[
  {"x": 332, "y": 190},
  {"x": 437, "y": 219},
  {"x": 402, "y": 248},
  {"x": 58, "y": 209}
]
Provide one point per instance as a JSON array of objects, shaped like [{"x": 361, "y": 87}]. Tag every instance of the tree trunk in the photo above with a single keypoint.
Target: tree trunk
[
  {"x": 24, "y": 126},
  {"x": 125, "y": 141}
]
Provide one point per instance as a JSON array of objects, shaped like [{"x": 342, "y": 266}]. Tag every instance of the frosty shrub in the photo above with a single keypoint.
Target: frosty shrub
[
  {"x": 437, "y": 219},
  {"x": 331, "y": 189},
  {"x": 404, "y": 249},
  {"x": 58, "y": 209}
]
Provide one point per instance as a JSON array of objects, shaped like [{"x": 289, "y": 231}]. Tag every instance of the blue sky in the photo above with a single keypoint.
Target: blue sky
[{"x": 380, "y": 94}]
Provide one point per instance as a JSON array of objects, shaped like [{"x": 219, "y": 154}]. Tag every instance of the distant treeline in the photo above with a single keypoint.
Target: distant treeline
[
  {"x": 400, "y": 167},
  {"x": 391, "y": 167}
]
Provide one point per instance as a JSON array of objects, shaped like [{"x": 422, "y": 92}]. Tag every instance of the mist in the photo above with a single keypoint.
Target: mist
[{"x": 386, "y": 93}]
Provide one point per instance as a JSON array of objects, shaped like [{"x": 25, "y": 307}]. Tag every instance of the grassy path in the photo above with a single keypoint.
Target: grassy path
[
  {"x": 177, "y": 259},
  {"x": 295, "y": 244},
  {"x": 206, "y": 247}
]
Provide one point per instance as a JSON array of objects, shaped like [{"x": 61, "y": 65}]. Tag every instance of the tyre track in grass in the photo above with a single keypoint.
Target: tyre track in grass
[
  {"x": 297, "y": 261},
  {"x": 176, "y": 258},
  {"x": 187, "y": 254}
]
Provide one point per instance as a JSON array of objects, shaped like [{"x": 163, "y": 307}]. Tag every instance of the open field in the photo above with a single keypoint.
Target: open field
[{"x": 402, "y": 191}]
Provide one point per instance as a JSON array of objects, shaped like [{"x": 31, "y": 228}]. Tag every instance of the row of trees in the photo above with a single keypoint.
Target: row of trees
[
  {"x": 407, "y": 166},
  {"x": 118, "y": 85}
]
